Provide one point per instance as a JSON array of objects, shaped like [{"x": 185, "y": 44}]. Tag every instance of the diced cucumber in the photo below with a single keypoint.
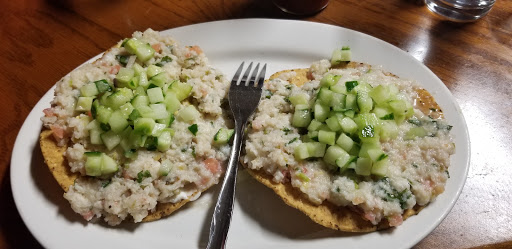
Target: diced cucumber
[
  {"x": 321, "y": 112},
  {"x": 223, "y": 136},
  {"x": 363, "y": 166},
  {"x": 345, "y": 142},
  {"x": 155, "y": 95},
  {"x": 159, "y": 111},
  {"x": 108, "y": 165},
  {"x": 138, "y": 69},
  {"x": 144, "y": 52},
  {"x": 380, "y": 94},
  {"x": 95, "y": 136},
  {"x": 126, "y": 110},
  {"x": 301, "y": 151},
  {"x": 143, "y": 79},
  {"x": 316, "y": 149},
  {"x": 117, "y": 122},
  {"x": 134, "y": 115},
  {"x": 334, "y": 123},
  {"x": 364, "y": 102},
  {"x": 172, "y": 102},
  {"x": 103, "y": 86},
  {"x": 348, "y": 125},
  {"x": 415, "y": 132},
  {"x": 329, "y": 80},
  {"x": 124, "y": 76},
  {"x": 188, "y": 113},
  {"x": 314, "y": 125},
  {"x": 151, "y": 143},
  {"x": 339, "y": 88},
  {"x": 119, "y": 98},
  {"x": 140, "y": 100},
  {"x": 93, "y": 163},
  {"x": 301, "y": 116},
  {"x": 158, "y": 129},
  {"x": 376, "y": 154},
  {"x": 380, "y": 168},
  {"x": 299, "y": 99},
  {"x": 341, "y": 55},
  {"x": 110, "y": 139},
  {"x": 333, "y": 153},
  {"x": 182, "y": 90},
  {"x": 88, "y": 90},
  {"x": 146, "y": 112},
  {"x": 164, "y": 141},
  {"x": 93, "y": 125},
  {"x": 338, "y": 101},
  {"x": 84, "y": 104},
  {"x": 103, "y": 114},
  {"x": 153, "y": 70},
  {"x": 165, "y": 168},
  {"x": 350, "y": 101},
  {"x": 349, "y": 113},
  {"x": 159, "y": 79},
  {"x": 313, "y": 135},
  {"x": 326, "y": 137},
  {"x": 388, "y": 130},
  {"x": 144, "y": 125},
  {"x": 325, "y": 96},
  {"x": 365, "y": 147},
  {"x": 343, "y": 161}
]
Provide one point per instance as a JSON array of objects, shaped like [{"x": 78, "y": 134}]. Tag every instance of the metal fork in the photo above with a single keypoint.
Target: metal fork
[{"x": 243, "y": 99}]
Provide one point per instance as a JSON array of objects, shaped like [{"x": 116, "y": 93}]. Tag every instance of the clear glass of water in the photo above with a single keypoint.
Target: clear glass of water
[{"x": 460, "y": 10}]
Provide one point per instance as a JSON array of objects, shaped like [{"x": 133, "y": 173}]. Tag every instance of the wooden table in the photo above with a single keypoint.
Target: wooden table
[{"x": 41, "y": 41}]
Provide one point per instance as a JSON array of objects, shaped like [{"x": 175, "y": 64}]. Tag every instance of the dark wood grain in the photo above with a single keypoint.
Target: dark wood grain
[{"x": 41, "y": 41}]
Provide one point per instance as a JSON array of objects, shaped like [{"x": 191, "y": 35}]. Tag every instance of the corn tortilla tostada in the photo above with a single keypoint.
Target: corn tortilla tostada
[
  {"x": 139, "y": 132},
  {"x": 355, "y": 148}
]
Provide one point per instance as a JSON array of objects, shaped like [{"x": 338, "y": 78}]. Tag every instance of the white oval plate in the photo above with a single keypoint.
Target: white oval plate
[{"x": 260, "y": 218}]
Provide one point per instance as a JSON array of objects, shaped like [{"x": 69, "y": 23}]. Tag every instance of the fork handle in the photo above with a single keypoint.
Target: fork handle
[{"x": 224, "y": 208}]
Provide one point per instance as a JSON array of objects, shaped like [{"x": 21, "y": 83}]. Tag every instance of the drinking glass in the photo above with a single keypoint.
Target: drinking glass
[
  {"x": 460, "y": 10},
  {"x": 301, "y": 7}
]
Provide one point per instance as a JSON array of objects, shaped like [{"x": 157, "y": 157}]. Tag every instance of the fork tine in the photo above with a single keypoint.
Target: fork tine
[
  {"x": 246, "y": 75},
  {"x": 235, "y": 79},
  {"x": 261, "y": 76},
  {"x": 253, "y": 75}
]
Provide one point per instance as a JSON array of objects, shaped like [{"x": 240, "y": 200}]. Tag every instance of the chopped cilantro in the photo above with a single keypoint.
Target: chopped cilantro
[
  {"x": 193, "y": 128},
  {"x": 390, "y": 116},
  {"x": 414, "y": 121},
  {"x": 164, "y": 60},
  {"x": 293, "y": 140},
  {"x": 106, "y": 183},
  {"x": 286, "y": 130},
  {"x": 350, "y": 85},
  {"x": 143, "y": 174},
  {"x": 368, "y": 131},
  {"x": 123, "y": 59}
]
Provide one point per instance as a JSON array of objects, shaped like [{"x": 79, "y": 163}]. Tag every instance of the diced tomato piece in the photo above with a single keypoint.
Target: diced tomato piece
[
  {"x": 58, "y": 132},
  {"x": 213, "y": 165},
  {"x": 197, "y": 49},
  {"x": 157, "y": 47},
  {"x": 115, "y": 69},
  {"x": 395, "y": 220},
  {"x": 48, "y": 112}
]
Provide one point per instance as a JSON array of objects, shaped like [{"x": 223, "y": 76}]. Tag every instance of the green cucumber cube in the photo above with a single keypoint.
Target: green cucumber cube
[
  {"x": 126, "y": 110},
  {"x": 299, "y": 99},
  {"x": 188, "y": 114},
  {"x": 333, "y": 153},
  {"x": 153, "y": 70},
  {"x": 363, "y": 166},
  {"x": 301, "y": 151},
  {"x": 159, "y": 79},
  {"x": 329, "y": 80},
  {"x": 301, "y": 117},
  {"x": 84, "y": 104},
  {"x": 172, "y": 103},
  {"x": 117, "y": 122},
  {"x": 144, "y": 125},
  {"x": 345, "y": 142},
  {"x": 182, "y": 90},
  {"x": 164, "y": 141},
  {"x": 326, "y": 137},
  {"x": 93, "y": 163},
  {"x": 110, "y": 139},
  {"x": 124, "y": 76},
  {"x": 316, "y": 149},
  {"x": 334, "y": 123},
  {"x": 380, "y": 168},
  {"x": 321, "y": 112},
  {"x": 89, "y": 90},
  {"x": 108, "y": 165},
  {"x": 155, "y": 95},
  {"x": 325, "y": 96},
  {"x": 348, "y": 125}
]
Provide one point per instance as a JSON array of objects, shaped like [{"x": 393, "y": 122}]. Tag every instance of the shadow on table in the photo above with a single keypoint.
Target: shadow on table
[{"x": 15, "y": 233}]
